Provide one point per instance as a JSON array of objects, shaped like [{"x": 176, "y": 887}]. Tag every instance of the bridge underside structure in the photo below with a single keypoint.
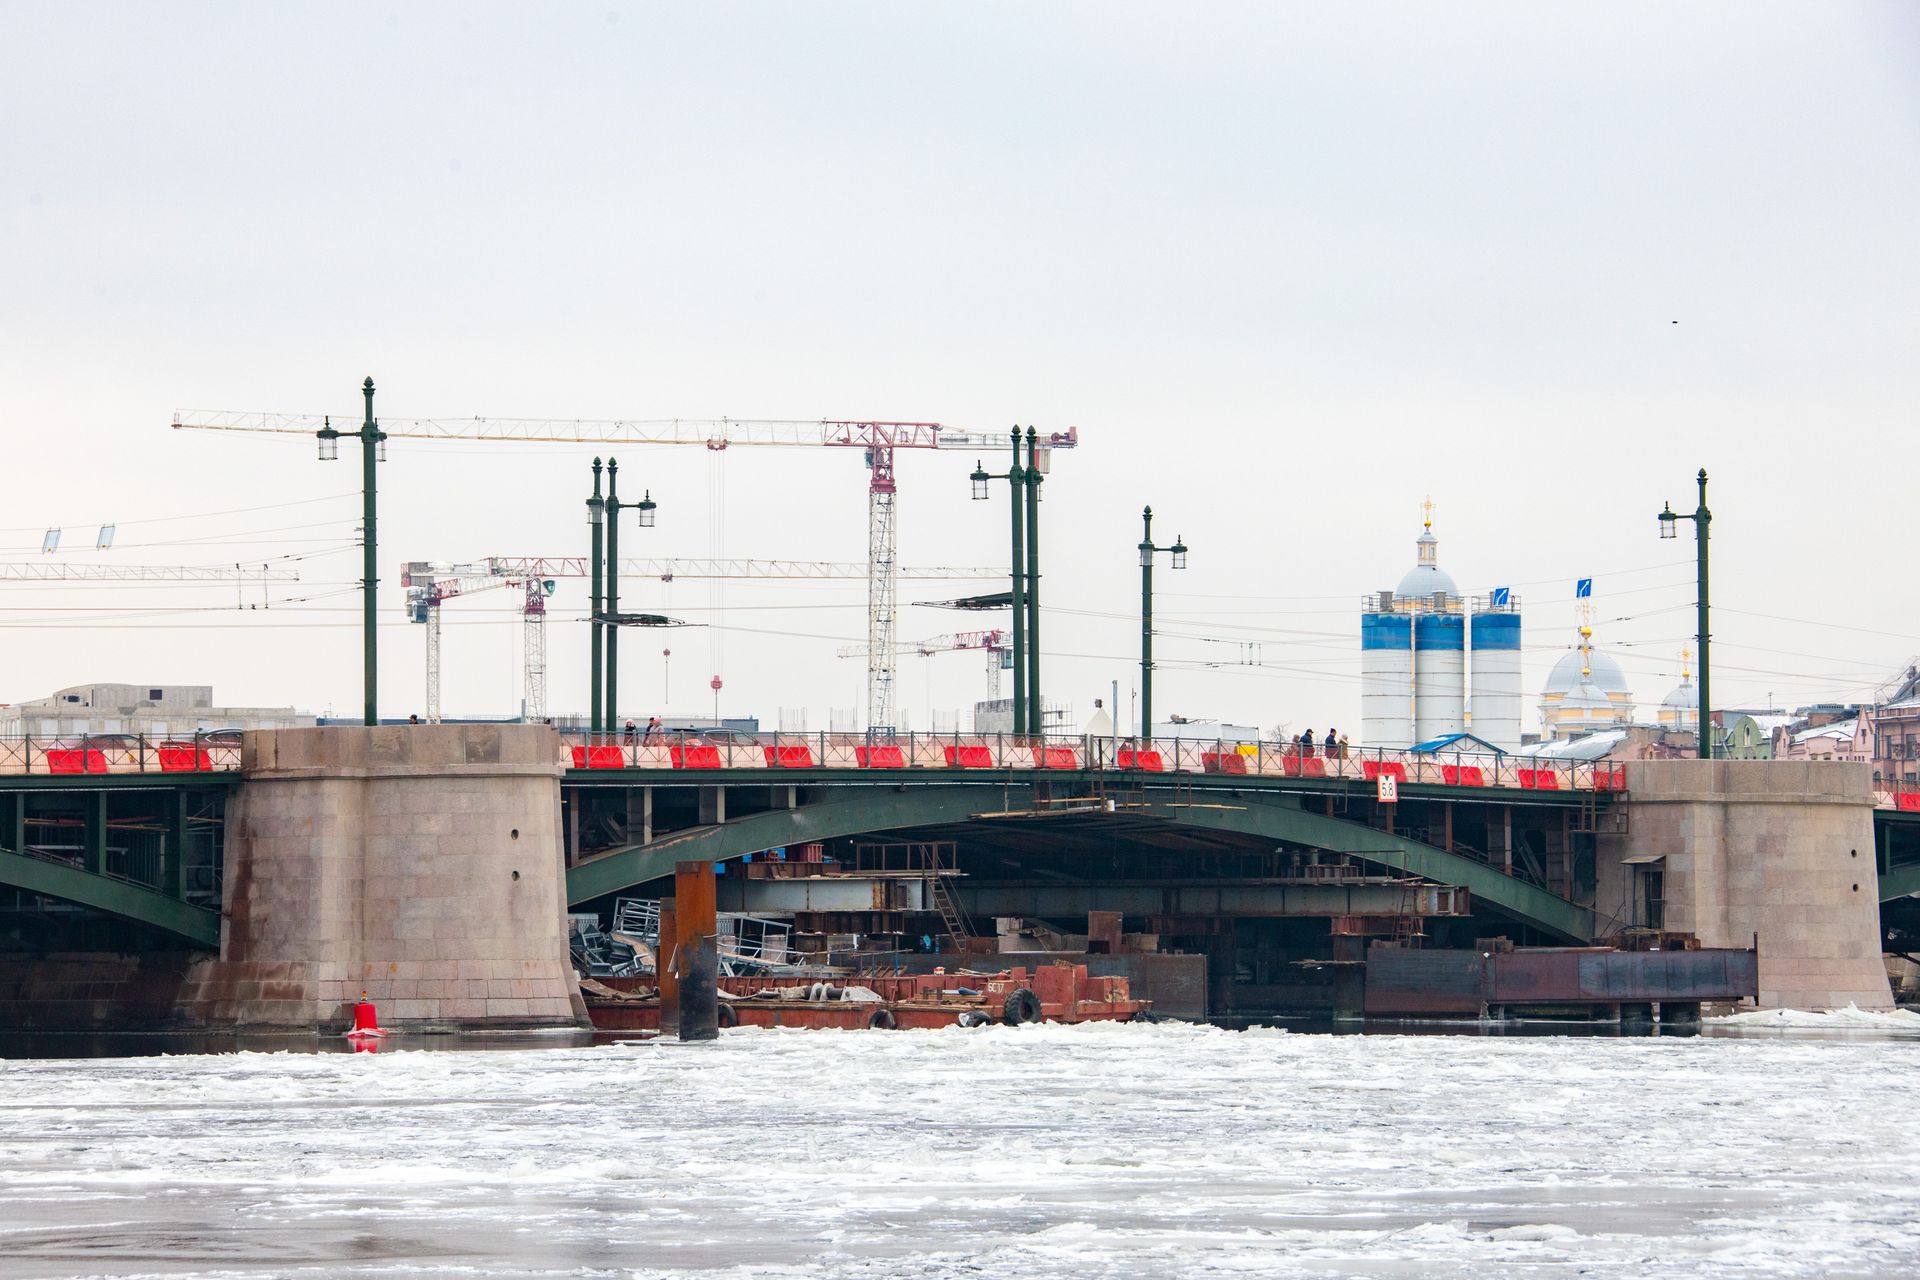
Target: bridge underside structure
[
  {"x": 1098, "y": 833},
  {"x": 111, "y": 863}
]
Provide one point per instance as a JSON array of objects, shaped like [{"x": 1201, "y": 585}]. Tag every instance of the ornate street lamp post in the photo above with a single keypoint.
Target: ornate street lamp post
[
  {"x": 1670, "y": 528},
  {"x": 373, "y": 448},
  {"x": 1147, "y": 551}
]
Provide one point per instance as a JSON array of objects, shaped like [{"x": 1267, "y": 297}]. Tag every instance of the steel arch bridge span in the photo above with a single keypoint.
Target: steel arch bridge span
[
  {"x": 879, "y": 811},
  {"x": 197, "y": 925}
]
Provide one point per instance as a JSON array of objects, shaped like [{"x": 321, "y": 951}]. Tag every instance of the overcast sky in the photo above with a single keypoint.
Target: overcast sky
[{"x": 1289, "y": 269}]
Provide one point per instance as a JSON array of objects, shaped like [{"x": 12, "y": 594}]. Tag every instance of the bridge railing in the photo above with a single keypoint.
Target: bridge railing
[
  {"x": 689, "y": 750},
  {"x": 115, "y": 753}
]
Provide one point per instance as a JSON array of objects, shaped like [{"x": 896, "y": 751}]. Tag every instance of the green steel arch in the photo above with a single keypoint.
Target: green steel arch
[
  {"x": 197, "y": 925},
  {"x": 888, "y": 810},
  {"x": 1899, "y": 882}
]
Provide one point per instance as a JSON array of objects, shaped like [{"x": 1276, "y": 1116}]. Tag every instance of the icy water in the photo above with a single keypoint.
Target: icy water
[{"x": 1093, "y": 1151}]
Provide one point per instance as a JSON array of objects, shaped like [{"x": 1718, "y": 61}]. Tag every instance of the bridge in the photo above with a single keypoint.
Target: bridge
[
  {"x": 1168, "y": 831},
  {"x": 1252, "y": 853}
]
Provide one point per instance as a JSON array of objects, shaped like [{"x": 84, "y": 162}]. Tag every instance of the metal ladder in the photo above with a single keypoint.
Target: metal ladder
[{"x": 952, "y": 914}]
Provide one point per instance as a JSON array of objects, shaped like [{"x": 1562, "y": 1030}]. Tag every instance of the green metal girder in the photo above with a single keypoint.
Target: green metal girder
[
  {"x": 197, "y": 925},
  {"x": 879, "y": 810},
  {"x": 1525, "y": 902},
  {"x": 1899, "y": 882},
  {"x": 887, "y": 810}
]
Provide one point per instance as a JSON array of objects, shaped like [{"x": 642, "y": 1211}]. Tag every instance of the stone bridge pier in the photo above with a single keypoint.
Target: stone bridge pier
[
  {"x": 420, "y": 863},
  {"x": 1734, "y": 850}
]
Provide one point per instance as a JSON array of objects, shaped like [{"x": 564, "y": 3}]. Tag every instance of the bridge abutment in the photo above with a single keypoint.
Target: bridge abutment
[
  {"x": 420, "y": 863},
  {"x": 1734, "y": 849}
]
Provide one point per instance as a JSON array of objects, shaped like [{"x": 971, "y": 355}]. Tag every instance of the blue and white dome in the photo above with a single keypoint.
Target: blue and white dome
[{"x": 1426, "y": 577}]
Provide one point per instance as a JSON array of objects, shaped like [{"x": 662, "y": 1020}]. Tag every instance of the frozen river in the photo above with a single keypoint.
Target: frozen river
[{"x": 1109, "y": 1151}]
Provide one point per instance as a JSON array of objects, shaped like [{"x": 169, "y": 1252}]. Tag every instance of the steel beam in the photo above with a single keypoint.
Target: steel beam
[
  {"x": 114, "y": 897},
  {"x": 1244, "y": 898}
]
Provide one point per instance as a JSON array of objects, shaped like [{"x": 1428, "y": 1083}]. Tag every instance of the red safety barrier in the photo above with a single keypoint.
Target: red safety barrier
[
  {"x": 880, "y": 757},
  {"x": 1539, "y": 779},
  {"x": 1908, "y": 802},
  {"x": 696, "y": 756},
  {"x": 1056, "y": 758},
  {"x": 968, "y": 757},
  {"x": 75, "y": 760},
  {"x": 1223, "y": 762},
  {"x": 1462, "y": 775},
  {"x": 1313, "y": 767},
  {"x": 1606, "y": 778},
  {"x": 599, "y": 758},
  {"x": 1371, "y": 769},
  {"x": 1147, "y": 761},
  {"x": 178, "y": 758},
  {"x": 789, "y": 757}
]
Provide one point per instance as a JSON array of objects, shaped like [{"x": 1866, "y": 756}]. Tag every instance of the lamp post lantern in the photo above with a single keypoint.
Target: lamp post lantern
[
  {"x": 1014, "y": 475},
  {"x": 1670, "y": 528},
  {"x": 1178, "y": 551},
  {"x": 373, "y": 448}
]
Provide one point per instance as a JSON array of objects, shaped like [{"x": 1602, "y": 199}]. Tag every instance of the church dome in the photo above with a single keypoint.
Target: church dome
[
  {"x": 1606, "y": 673},
  {"x": 1426, "y": 576},
  {"x": 1586, "y": 696},
  {"x": 1685, "y": 695},
  {"x": 1422, "y": 581}
]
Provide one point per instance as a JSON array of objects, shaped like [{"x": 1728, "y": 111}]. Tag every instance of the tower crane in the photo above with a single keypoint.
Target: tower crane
[
  {"x": 877, "y": 440},
  {"x": 999, "y": 655},
  {"x": 428, "y": 584}
]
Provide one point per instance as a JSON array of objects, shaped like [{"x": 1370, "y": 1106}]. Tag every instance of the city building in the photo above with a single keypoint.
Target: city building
[
  {"x": 146, "y": 710},
  {"x": 1680, "y": 709},
  {"x": 1586, "y": 692},
  {"x": 1433, "y": 662}
]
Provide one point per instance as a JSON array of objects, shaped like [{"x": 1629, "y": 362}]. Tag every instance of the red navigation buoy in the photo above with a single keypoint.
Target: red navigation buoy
[{"x": 367, "y": 1032}]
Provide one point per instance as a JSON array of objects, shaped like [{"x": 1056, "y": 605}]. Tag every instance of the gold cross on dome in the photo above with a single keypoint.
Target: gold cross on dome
[{"x": 1427, "y": 507}]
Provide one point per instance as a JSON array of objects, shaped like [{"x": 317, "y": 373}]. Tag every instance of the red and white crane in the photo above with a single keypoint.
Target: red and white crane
[
  {"x": 429, "y": 583},
  {"x": 878, "y": 441}
]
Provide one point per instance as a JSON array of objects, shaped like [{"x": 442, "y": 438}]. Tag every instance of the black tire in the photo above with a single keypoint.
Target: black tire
[
  {"x": 880, "y": 1020},
  {"x": 1022, "y": 1006},
  {"x": 727, "y": 1017},
  {"x": 973, "y": 1018},
  {"x": 1146, "y": 1016}
]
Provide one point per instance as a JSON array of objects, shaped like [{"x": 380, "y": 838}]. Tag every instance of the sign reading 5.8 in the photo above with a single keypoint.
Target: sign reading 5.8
[{"x": 1389, "y": 788}]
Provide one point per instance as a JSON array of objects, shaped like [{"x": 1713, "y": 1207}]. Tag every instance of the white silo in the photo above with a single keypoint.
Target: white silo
[
  {"x": 1439, "y": 671},
  {"x": 1496, "y": 673},
  {"x": 1386, "y": 676}
]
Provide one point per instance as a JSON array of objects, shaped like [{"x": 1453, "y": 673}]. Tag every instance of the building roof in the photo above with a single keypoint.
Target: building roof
[
  {"x": 1840, "y": 729},
  {"x": 1606, "y": 673},
  {"x": 1593, "y": 746},
  {"x": 1685, "y": 695},
  {"x": 1456, "y": 742}
]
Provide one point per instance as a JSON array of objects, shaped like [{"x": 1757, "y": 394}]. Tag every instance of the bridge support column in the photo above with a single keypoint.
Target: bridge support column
[
  {"x": 666, "y": 963},
  {"x": 1349, "y": 977},
  {"x": 421, "y": 863},
  {"x": 13, "y": 822},
  {"x": 713, "y": 806},
  {"x": 697, "y": 958},
  {"x": 640, "y": 815},
  {"x": 93, "y": 853},
  {"x": 173, "y": 856},
  {"x": 1781, "y": 850}
]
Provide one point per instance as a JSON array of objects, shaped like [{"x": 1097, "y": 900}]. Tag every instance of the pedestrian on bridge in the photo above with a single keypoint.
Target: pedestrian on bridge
[{"x": 1306, "y": 744}]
